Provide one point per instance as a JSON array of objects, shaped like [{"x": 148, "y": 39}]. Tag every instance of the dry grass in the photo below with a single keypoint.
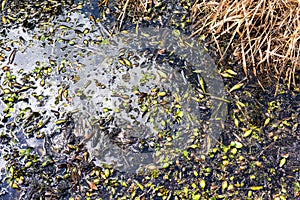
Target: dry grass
[
  {"x": 264, "y": 35},
  {"x": 131, "y": 8}
]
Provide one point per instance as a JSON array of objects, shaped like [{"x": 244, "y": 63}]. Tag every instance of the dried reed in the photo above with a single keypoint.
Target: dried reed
[{"x": 264, "y": 35}]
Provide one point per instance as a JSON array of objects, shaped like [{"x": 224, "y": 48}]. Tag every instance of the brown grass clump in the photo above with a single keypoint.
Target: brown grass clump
[
  {"x": 264, "y": 35},
  {"x": 128, "y": 8}
]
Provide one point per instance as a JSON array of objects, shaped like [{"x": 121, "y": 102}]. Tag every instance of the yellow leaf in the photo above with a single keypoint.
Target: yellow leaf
[
  {"x": 139, "y": 185},
  {"x": 267, "y": 121},
  {"x": 4, "y": 20},
  {"x": 224, "y": 185},
  {"x": 247, "y": 133},
  {"x": 229, "y": 71},
  {"x": 127, "y": 62},
  {"x": 202, "y": 184},
  {"x": 202, "y": 84},
  {"x": 255, "y": 188},
  {"x": 225, "y": 75},
  {"x": 121, "y": 62},
  {"x": 238, "y": 145},
  {"x": 3, "y": 4},
  {"x": 107, "y": 173},
  {"x": 236, "y": 87},
  {"x": 282, "y": 162}
]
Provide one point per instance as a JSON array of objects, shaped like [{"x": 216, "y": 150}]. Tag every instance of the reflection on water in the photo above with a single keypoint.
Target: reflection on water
[
  {"x": 142, "y": 86},
  {"x": 137, "y": 99}
]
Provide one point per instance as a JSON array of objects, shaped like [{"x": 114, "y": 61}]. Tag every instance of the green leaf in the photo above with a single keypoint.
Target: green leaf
[
  {"x": 196, "y": 197},
  {"x": 238, "y": 145}
]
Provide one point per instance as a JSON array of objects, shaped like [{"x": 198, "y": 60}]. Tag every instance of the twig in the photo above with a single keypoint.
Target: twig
[{"x": 123, "y": 14}]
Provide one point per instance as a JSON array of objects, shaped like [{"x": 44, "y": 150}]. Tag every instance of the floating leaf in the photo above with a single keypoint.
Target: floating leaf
[
  {"x": 92, "y": 185},
  {"x": 267, "y": 121},
  {"x": 42, "y": 82},
  {"x": 258, "y": 164},
  {"x": 176, "y": 32},
  {"x": 238, "y": 145},
  {"x": 225, "y": 75},
  {"x": 127, "y": 62},
  {"x": 198, "y": 71},
  {"x": 107, "y": 173},
  {"x": 65, "y": 93},
  {"x": 162, "y": 74},
  {"x": 202, "y": 37},
  {"x": 230, "y": 187},
  {"x": 233, "y": 151},
  {"x": 28, "y": 164},
  {"x": 195, "y": 173},
  {"x": 14, "y": 185},
  {"x": 6, "y": 91},
  {"x": 186, "y": 154},
  {"x": 282, "y": 162},
  {"x": 139, "y": 185},
  {"x": 166, "y": 165},
  {"x": 224, "y": 185},
  {"x": 202, "y": 84},
  {"x": 72, "y": 42},
  {"x": 3, "y": 4},
  {"x": 194, "y": 185},
  {"x": 236, "y": 122},
  {"x": 202, "y": 183},
  {"x": 185, "y": 190},
  {"x": 240, "y": 104},
  {"x": 86, "y": 31},
  {"x": 231, "y": 72},
  {"x": 196, "y": 197},
  {"x": 161, "y": 94},
  {"x": 64, "y": 27},
  {"x": 121, "y": 61},
  {"x": 247, "y": 133},
  {"x": 236, "y": 87},
  {"x": 255, "y": 188},
  {"x": 193, "y": 146},
  {"x": 61, "y": 121}
]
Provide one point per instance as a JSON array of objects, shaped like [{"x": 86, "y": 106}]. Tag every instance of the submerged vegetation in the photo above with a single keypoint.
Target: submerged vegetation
[{"x": 45, "y": 47}]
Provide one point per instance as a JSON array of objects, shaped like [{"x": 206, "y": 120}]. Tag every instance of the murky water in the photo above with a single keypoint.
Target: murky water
[
  {"x": 137, "y": 98},
  {"x": 133, "y": 82}
]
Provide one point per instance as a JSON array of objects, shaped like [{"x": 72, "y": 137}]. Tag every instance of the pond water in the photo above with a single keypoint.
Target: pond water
[
  {"x": 143, "y": 86},
  {"x": 81, "y": 107},
  {"x": 137, "y": 98}
]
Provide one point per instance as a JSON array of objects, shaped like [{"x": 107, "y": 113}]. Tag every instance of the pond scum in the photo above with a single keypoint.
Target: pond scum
[{"x": 257, "y": 155}]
